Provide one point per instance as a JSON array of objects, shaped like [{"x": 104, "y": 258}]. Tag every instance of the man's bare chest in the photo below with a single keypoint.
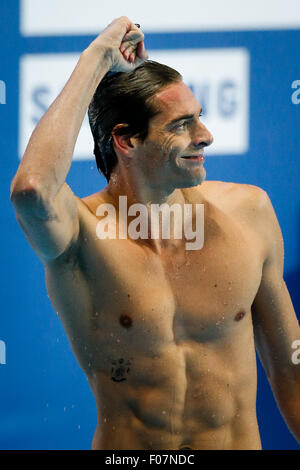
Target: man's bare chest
[{"x": 179, "y": 294}]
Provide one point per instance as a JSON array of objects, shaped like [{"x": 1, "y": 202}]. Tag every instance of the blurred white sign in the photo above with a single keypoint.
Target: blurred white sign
[
  {"x": 219, "y": 79},
  {"x": 58, "y": 17},
  {"x": 42, "y": 77}
]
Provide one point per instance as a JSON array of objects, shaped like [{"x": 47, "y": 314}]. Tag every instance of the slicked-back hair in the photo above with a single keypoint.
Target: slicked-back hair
[{"x": 125, "y": 98}]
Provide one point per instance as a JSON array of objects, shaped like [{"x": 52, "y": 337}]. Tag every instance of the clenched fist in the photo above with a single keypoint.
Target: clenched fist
[{"x": 123, "y": 44}]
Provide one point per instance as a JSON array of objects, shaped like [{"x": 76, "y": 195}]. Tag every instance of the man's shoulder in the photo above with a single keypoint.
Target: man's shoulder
[
  {"x": 247, "y": 203},
  {"x": 229, "y": 185},
  {"x": 237, "y": 193},
  {"x": 92, "y": 201}
]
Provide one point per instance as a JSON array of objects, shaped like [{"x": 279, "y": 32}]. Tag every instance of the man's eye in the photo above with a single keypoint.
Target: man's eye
[{"x": 181, "y": 126}]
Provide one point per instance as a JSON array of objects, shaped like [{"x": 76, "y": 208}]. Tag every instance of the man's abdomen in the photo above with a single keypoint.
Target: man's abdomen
[{"x": 189, "y": 395}]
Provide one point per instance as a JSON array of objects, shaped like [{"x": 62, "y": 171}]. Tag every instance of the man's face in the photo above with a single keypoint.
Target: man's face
[{"x": 172, "y": 153}]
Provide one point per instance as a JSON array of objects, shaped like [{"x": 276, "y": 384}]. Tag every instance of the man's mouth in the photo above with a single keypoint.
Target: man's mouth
[{"x": 194, "y": 158}]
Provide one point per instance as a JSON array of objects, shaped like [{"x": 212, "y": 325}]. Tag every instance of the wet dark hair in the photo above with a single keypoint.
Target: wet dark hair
[{"x": 125, "y": 98}]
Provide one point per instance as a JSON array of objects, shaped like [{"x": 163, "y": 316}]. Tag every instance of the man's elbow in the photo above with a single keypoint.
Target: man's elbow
[
  {"x": 26, "y": 195},
  {"x": 24, "y": 187}
]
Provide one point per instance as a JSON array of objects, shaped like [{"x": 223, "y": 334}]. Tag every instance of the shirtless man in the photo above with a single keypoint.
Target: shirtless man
[{"x": 165, "y": 335}]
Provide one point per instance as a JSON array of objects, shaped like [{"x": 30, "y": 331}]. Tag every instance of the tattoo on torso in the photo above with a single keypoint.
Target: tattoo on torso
[{"x": 120, "y": 369}]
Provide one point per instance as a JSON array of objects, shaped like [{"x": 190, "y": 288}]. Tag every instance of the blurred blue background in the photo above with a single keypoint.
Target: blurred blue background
[{"x": 45, "y": 401}]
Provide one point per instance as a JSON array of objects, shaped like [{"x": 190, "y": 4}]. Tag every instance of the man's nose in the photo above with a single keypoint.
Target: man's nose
[{"x": 201, "y": 136}]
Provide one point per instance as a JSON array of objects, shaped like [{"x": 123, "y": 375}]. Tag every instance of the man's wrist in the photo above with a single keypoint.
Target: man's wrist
[{"x": 99, "y": 55}]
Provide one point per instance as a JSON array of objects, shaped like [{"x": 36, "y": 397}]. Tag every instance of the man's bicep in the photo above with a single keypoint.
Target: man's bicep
[{"x": 52, "y": 228}]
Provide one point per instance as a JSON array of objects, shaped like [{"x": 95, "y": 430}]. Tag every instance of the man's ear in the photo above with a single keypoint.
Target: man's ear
[{"x": 122, "y": 142}]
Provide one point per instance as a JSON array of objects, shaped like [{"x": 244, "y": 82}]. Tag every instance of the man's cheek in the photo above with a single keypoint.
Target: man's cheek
[{"x": 171, "y": 144}]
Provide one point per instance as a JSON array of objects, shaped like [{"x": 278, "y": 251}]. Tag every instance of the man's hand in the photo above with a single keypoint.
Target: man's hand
[{"x": 123, "y": 43}]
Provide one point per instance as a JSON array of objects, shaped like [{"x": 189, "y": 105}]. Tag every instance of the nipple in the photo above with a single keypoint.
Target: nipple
[
  {"x": 239, "y": 316},
  {"x": 126, "y": 321}
]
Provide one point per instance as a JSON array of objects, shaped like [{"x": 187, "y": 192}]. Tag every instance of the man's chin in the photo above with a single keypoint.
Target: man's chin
[{"x": 192, "y": 177}]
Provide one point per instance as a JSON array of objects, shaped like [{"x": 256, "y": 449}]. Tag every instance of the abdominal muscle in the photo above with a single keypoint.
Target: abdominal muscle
[{"x": 169, "y": 409}]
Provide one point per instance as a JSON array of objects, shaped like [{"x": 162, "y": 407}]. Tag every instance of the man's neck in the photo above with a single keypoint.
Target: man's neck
[{"x": 139, "y": 190}]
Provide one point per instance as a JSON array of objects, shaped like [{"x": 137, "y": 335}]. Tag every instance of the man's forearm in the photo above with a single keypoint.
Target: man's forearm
[
  {"x": 292, "y": 418},
  {"x": 48, "y": 155},
  {"x": 287, "y": 396}
]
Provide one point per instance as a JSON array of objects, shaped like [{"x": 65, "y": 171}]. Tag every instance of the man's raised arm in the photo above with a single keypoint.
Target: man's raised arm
[{"x": 45, "y": 206}]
